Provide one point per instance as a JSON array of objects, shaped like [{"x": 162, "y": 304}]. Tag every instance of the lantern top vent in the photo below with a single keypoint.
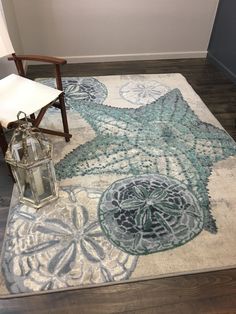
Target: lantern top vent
[{"x": 28, "y": 145}]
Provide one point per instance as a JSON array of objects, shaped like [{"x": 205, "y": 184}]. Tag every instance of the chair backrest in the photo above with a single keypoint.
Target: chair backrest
[{"x": 57, "y": 62}]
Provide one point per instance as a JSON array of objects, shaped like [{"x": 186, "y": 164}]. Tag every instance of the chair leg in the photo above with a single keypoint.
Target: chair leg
[
  {"x": 3, "y": 146},
  {"x": 32, "y": 116},
  {"x": 3, "y": 141},
  {"x": 64, "y": 116}
]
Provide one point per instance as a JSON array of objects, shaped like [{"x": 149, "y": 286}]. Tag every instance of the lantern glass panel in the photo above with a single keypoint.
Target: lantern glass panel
[
  {"x": 42, "y": 181},
  {"x": 23, "y": 183}
]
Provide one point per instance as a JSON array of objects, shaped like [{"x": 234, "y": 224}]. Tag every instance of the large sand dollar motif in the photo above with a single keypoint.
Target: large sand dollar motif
[{"x": 149, "y": 213}]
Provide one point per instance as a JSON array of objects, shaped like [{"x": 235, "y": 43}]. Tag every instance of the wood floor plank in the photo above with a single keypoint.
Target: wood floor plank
[{"x": 159, "y": 293}]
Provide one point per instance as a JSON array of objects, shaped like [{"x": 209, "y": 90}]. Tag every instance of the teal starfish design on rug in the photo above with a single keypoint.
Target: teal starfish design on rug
[
  {"x": 149, "y": 213},
  {"x": 165, "y": 137}
]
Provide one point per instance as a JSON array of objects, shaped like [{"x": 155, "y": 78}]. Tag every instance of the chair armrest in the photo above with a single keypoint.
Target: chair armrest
[
  {"x": 57, "y": 62},
  {"x": 40, "y": 58}
]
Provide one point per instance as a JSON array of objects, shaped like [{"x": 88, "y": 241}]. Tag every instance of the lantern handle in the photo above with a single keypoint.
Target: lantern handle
[
  {"x": 18, "y": 116},
  {"x": 37, "y": 131}
]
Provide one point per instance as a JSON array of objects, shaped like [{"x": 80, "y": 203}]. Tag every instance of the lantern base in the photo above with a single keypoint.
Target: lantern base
[{"x": 39, "y": 205}]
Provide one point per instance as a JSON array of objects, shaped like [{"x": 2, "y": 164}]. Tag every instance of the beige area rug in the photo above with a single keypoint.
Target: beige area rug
[{"x": 147, "y": 190}]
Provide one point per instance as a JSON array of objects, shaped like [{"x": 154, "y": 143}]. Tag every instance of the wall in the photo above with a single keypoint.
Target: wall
[
  {"x": 7, "y": 8},
  {"x": 103, "y": 30},
  {"x": 13, "y": 28},
  {"x": 222, "y": 47}
]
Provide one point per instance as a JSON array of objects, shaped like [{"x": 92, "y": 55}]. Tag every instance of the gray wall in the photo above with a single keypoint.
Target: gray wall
[
  {"x": 112, "y": 30},
  {"x": 222, "y": 47}
]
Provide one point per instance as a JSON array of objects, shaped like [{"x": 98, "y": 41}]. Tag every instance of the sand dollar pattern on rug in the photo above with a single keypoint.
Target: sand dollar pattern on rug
[
  {"x": 142, "y": 92},
  {"x": 79, "y": 89},
  {"x": 61, "y": 246},
  {"x": 164, "y": 137},
  {"x": 149, "y": 213}
]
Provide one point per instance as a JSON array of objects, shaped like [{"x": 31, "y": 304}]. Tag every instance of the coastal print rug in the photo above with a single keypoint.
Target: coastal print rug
[{"x": 147, "y": 190}]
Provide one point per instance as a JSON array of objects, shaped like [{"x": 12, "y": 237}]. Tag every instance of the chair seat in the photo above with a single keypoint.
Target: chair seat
[{"x": 18, "y": 93}]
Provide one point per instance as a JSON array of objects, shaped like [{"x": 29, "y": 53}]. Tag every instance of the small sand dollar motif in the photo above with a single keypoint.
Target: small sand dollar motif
[
  {"x": 149, "y": 213},
  {"x": 77, "y": 90},
  {"x": 142, "y": 92},
  {"x": 84, "y": 89}
]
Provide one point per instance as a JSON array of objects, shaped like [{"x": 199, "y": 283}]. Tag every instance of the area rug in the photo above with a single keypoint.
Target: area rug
[{"x": 147, "y": 190}]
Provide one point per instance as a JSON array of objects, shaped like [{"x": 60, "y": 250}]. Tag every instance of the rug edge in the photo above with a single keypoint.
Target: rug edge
[{"x": 122, "y": 282}]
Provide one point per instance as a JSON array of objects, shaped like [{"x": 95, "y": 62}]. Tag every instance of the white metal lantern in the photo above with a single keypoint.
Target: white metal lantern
[{"x": 30, "y": 156}]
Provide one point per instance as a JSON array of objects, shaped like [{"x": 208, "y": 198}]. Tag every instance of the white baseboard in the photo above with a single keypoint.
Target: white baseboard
[
  {"x": 132, "y": 57},
  {"x": 136, "y": 56}
]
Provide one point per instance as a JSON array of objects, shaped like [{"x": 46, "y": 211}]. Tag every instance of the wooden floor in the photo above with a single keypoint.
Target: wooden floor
[{"x": 213, "y": 292}]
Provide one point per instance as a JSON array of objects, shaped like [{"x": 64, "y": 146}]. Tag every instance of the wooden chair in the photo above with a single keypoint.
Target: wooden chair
[{"x": 58, "y": 102}]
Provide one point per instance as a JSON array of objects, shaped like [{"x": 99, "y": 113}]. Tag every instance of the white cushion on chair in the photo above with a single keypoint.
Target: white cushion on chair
[{"x": 21, "y": 94}]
